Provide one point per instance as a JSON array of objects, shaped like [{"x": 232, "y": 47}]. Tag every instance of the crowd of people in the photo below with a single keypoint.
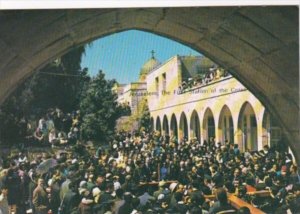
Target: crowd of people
[
  {"x": 213, "y": 74},
  {"x": 147, "y": 173},
  {"x": 52, "y": 129}
]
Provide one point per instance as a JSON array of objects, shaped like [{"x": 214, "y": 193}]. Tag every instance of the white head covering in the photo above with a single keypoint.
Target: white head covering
[
  {"x": 96, "y": 191},
  {"x": 160, "y": 197},
  {"x": 173, "y": 186}
]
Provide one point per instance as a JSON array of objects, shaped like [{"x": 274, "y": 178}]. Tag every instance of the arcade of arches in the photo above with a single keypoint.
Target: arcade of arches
[
  {"x": 247, "y": 134},
  {"x": 259, "y": 45}
]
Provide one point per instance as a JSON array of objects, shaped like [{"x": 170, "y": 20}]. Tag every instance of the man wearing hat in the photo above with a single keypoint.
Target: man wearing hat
[{"x": 117, "y": 184}]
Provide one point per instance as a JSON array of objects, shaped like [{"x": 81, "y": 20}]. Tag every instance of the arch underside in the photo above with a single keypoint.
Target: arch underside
[{"x": 259, "y": 45}]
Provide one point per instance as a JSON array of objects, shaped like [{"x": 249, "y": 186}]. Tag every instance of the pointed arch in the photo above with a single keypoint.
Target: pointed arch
[
  {"x": 183, "y": 127},
  {"x": 247, "y": 127},
  {"x": 208, "y": 125},
  {"x": 174, "y": 127},
  {"x": 158, "y": 124},
  {"x": 165, "y": 126},
  {"x": 195, "y": 125},
  {"x": 225, "y": 125}
]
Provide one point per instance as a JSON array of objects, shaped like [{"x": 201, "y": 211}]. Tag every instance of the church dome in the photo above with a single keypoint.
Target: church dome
[{"x": 148, "y": 66}]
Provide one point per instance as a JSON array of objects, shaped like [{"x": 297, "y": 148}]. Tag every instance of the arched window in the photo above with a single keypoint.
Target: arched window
[
  {"x": 247, "y": 126},
  {"x": 195, "y": 126},
  {"x": 183, "y": 127},
  {"x": 208, "y": 125},
  {"x": 225, "y": 125}
]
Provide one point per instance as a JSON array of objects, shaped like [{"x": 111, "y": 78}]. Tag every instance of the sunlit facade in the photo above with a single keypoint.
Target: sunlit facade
[
  {"x": 192, "y": 98},
  {"x": 220, "y": 107}
]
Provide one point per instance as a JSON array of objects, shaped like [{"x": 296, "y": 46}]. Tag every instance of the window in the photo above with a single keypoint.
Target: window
[{"x": 164, "y": 82}]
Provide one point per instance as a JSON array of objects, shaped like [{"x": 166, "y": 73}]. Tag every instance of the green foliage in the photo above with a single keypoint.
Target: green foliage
[
  {"x": 58, "y": 84},
  {"x": 100, "y": 109},
  {"x": 64, "y": 84},
  {"x": 145, "y": 118},
  {"x": 139, "y": 120}
]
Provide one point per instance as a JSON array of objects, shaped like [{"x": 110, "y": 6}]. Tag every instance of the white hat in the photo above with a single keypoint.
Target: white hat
[
  {"x": 127, "y": 169},
  {"x": 96, "y": 191},
  {"x": 108, "y": 175},
  {"x": 160, "y": 197},
  {"x": 173, "y": 186},
  {"x": 50, "y": 181},
  {"x": 82, "y": 184}
]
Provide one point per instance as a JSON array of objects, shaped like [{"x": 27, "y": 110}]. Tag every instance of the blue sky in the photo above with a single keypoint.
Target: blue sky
[{"x": 121, "y": 55}]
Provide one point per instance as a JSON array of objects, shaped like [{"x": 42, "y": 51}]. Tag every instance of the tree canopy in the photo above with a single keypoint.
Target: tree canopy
[
  {"x": 59, "y": 84},
  {"x": 63, "y": 84},
  {"x": 100, "y": 109}
]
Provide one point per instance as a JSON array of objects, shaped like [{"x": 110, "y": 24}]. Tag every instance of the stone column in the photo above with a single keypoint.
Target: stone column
[{"x": 259, "y": 133}]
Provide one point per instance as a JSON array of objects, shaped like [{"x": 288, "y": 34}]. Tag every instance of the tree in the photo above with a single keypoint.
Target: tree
[
  {"x": 58, "y": 84},
  {"x": 100, "y": 109},
  {"x": 138, "y": 120},
  {"x": 145, "y": 117}
]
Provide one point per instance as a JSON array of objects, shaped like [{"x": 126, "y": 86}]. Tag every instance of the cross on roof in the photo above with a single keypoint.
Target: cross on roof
[{"x": 152, "y": 52}]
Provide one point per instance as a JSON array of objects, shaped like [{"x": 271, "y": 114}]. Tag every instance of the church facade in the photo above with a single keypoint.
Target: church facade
[{"x": 192, "y": 98}]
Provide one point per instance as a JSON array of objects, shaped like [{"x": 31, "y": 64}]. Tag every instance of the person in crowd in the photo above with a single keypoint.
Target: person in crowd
[
  {"x": 13, "y": 184},
  {"x": 39, "y": 137},
  {"x": 222, "y": 202},
  {"x": 40, "y": 198},
  {"x": 49, "y": 123},
  {"x": 294, "y": 175},
  {"x": 42, "y": 125},
  {"x": 31, "y": 185},
  {"x": 54, "y": 199},
  {"x": 4, "y": 207},
  {"x": 62, "y": 138},
  {"x": 70, "y": 200},
  {"x": 127, "y": 207},
  {"x": 53, "y": 140},
  {"x": 119, "y": 201}
]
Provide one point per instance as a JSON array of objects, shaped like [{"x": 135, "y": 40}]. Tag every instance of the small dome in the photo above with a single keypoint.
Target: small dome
[{"x": 148, "y": 66}]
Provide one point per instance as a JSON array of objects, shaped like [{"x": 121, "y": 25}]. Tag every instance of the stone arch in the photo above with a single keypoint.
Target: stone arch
[
  {"x": 165, "y": 127},
  {"x": 247, "y": 128},
  {"x": 174, "y": 127},
  {"x": 158, "y": 124},
  {"x": 225, "y": 125},
  {"x": 208, "y": 125},
  {"x": 195, "y": 126},
  {"x": 183, "y": 127},
  {"x": 256, "y": 61}
]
